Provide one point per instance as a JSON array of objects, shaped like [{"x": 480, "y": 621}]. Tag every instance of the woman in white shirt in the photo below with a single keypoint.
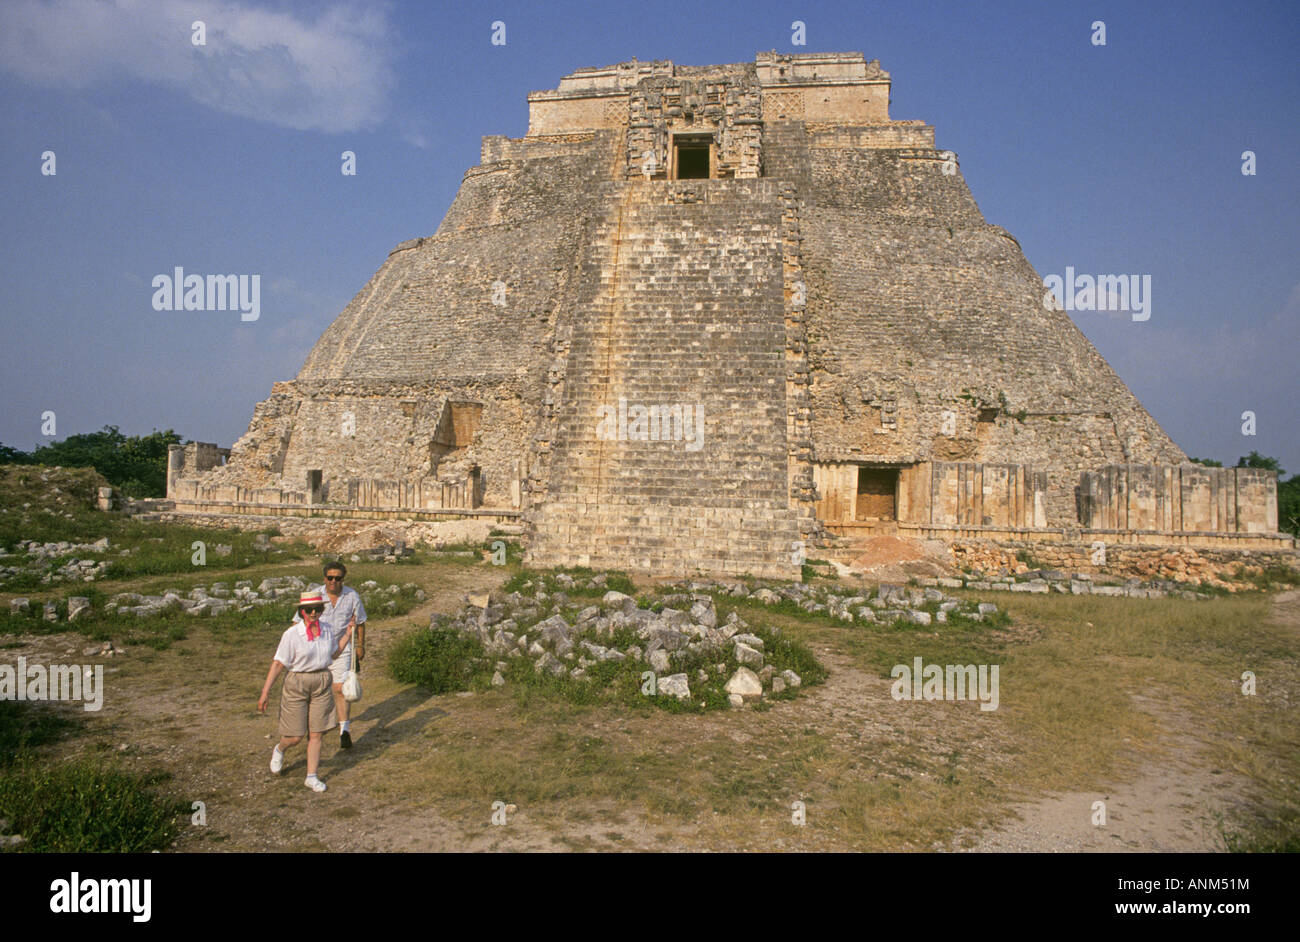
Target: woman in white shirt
[{"x": 307, "y": 701}]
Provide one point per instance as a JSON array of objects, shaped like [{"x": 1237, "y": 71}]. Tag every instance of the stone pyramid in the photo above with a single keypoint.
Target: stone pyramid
[{"x": 664, "y": 326}]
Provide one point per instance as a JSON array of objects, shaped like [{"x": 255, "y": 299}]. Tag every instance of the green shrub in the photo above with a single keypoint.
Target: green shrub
[
  {"x": 439, "y": 659},
  {"x": 1288, "y": 505},
  {"x": 619, "y": 582},
  {"x": 78, "y": 806}
]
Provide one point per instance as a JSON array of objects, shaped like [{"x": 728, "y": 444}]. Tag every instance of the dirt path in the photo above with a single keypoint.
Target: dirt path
[{"x": 1170, "y": 807}]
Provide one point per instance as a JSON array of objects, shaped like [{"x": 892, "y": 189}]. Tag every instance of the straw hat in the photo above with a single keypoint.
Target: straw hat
[{"x": 310, "y": 599}]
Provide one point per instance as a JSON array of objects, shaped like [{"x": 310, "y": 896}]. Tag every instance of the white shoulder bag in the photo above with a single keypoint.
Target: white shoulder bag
[{"x": 352, "y": 680}]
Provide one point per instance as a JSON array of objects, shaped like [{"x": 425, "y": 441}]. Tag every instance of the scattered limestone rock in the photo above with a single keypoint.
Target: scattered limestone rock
[
  {"x": 747, "y": 656},
  {"x": 704, "y": 613},
  {"x": 549, "y": 663},
  {"x": 675, "y": 685},
  {"x": 745, "y": 683},
  {"x": 554, "y": 628}
]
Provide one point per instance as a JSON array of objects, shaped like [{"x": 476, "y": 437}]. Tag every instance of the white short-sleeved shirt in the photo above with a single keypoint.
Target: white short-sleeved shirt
[
  {"x": 337, "y": 614},
  {"x": 298, "y": 654}
]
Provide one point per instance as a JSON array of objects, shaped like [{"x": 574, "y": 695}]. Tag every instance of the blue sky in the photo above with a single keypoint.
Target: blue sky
[{"x": 1116, "y": 159}]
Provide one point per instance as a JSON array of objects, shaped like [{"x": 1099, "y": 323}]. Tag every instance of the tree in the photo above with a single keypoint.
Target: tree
[
  {"x": 136, "y": 464},
  {"x": 1288, "y": 505},
  {"x": 1256, "y": 460}
]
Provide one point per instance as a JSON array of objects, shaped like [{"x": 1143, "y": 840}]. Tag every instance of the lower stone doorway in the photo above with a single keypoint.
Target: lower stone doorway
[{"x": 877, "y": 494}]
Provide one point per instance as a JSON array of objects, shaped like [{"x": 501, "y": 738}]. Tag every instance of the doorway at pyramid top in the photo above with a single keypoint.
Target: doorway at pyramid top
[{"x": 692, "y": 157}]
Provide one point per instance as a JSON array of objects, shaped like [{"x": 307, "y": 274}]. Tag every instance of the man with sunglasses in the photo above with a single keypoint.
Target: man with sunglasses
[{"x": 342, "y": 605}]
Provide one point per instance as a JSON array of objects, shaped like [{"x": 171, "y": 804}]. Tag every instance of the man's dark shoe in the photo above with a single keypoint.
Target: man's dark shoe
[{"x": 345, "y": 741}]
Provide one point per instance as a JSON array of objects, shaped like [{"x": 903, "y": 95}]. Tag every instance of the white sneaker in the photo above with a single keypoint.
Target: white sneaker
[
  {"x": 315, "y": 785},
  {"x": 277, "y": 761}
]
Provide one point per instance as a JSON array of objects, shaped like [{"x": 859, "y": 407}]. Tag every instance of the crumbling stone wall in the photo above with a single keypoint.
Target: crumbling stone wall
[
  {"x": 1187, "y": 497},
  {"x": 192, "y": 458},
  {"x": 354, "y": 429},
  {"x": 1179, "y": 563}
]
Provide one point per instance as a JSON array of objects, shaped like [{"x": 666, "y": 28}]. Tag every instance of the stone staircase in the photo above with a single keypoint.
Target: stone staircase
[{"x": 689, "y": 316}]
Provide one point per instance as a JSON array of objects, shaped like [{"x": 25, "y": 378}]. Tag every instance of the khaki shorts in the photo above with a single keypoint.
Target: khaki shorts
[{"x": 307, "y": 703}]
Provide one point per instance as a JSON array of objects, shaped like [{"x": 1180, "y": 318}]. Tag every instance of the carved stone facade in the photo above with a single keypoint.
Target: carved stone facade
[{"x": 725, "y": 112}]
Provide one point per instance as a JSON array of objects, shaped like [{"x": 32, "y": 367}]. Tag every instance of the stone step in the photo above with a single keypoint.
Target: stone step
[{"x": 689, "y": 311}]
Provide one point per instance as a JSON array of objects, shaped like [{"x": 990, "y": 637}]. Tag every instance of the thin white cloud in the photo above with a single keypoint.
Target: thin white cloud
[
  {"x": 330, "y": 73},
  {"x": 416, "y": 138}
]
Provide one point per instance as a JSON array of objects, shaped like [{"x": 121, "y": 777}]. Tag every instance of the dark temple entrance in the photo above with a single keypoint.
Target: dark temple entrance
[
  {"x": 691, "y": 157},
  {"x": 877, "y": 494}
]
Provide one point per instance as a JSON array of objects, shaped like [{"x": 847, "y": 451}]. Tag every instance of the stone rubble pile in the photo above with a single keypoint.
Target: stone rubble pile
[
  {"x": 213, "y": 600},
  {"x": 54, "y": 550},
  {"x": 216, "y": 599},
  {"x": 1043, "y": 581},
  {"x": 568, "y": 647},
  {"x": 888, "y": 603},
  {"x": 1181, "y": 566},
  {"x": 41, "y": 554},
  {"x": 387, "y": 552}
]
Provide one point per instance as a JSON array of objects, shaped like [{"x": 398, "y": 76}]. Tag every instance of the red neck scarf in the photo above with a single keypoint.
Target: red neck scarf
[{"x": 313, "y": 626}]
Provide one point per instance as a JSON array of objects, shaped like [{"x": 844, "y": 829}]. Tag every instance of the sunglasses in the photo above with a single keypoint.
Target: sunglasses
[
  {"x": 333, "y": 578},
  {"x": 315, "y": 609}
]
